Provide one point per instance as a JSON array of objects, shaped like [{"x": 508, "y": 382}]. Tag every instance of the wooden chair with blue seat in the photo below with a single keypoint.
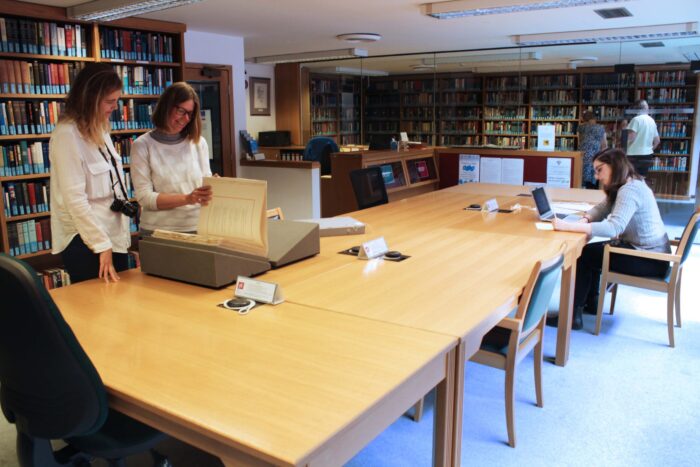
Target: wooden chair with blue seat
[
  {"x": 319, "y": 149},
  {"x": 515, "y": 336},
  {"x": 49, "y": 388},
  {"x": 670, "y": 284}
]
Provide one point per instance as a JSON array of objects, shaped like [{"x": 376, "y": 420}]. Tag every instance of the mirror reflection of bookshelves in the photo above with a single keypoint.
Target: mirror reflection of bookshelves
[
  {"x": 335, "y": 107},
  {"x": 43, "y": 53}
]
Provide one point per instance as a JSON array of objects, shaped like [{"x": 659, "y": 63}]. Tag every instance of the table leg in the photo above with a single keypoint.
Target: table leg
[
  {"x": 459, "y": 364},
  {"x": 443, "y": 421},
  {"x": 566, "y": 309}
]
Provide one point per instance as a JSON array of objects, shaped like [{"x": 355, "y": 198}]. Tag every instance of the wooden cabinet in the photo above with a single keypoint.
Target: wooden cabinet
[
  {"x": 45, "y": 50},
  {"x": 405, "y": 173}
]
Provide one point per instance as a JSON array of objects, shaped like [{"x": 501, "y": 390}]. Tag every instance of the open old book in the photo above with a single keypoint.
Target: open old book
[{"x": 234, "y": 219}]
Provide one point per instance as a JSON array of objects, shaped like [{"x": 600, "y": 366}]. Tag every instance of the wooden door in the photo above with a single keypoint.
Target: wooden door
[{"x": 214, "y": 85}]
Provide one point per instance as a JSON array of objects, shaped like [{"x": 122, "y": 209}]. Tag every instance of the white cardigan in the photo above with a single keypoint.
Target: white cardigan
[{"x": 168, "y": 168}]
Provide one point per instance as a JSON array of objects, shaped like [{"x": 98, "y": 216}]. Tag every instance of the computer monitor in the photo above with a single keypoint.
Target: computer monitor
[
  {"x": 369, "y": 188},
  {"x": 380, "y": 142}
]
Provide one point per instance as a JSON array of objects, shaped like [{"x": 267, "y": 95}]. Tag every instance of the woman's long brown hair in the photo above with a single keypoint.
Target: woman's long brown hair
[
  {"x": 621, "y": 170},
  {"x": 90, "y": 87}
]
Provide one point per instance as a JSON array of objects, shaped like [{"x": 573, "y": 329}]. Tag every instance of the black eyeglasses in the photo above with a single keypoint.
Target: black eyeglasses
[{"x": 181, "y": 112}]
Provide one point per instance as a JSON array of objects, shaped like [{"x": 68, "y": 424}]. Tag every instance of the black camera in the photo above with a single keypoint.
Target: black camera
[{"x": 127, "y": 208}]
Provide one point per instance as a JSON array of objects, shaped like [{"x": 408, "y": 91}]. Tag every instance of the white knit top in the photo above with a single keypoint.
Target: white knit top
[{"x": 168, "y": 168}]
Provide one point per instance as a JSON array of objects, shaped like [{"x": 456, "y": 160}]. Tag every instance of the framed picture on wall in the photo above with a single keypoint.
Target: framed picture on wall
[{"x": 259, "y": 96}]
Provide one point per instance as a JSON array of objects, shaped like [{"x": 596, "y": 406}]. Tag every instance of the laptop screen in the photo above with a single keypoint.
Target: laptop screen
[{"x": 541, "y": 200}]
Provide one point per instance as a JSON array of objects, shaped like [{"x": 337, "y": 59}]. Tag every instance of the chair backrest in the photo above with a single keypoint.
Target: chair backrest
[
  {"x": 48, "y": 386},
  {"x": 369, "y": 188},
  {"x": 688, "y": 238},
  {"x": 312, "y": 151},
  {"x": 380, "y": 142},
  {"x": 538, "y": 291}
]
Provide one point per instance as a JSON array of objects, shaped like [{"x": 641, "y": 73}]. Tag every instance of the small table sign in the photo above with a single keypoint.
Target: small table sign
[
  {"x": 262, "y": 292},
  {"x": 373, "y": 249}
]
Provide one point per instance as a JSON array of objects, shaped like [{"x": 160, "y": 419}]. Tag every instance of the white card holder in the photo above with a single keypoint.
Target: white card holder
[
  {"x": 373, "y": 249},
  {"x": 491, "y": 205},
  {"x": 260, "y": 291}
]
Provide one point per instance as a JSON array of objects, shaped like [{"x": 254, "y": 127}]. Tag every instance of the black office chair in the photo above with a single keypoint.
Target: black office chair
[
  {"x": 49, "y": 388},
  {"x": 369, "y": 188}
]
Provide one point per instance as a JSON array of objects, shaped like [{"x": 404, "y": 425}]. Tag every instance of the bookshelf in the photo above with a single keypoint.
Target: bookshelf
[
  {"x": 335, "y": 107},
  {"x": 43, "y": 53}
]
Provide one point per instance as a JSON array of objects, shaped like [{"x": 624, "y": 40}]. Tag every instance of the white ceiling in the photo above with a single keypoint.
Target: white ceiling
[{"x": 272, "y": 27}]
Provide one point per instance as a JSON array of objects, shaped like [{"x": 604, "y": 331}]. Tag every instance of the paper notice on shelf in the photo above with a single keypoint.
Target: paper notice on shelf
[
  {"x": 490, "y": 170},
  {"x": 468, "y": 168},
  {"x": 545, "y": 137},
  {"x": 206, "y": 130},
  {"x": 236, "y": 214},
  {"x": 559, "y": 172},
  {"x": 512, "y": 171}
]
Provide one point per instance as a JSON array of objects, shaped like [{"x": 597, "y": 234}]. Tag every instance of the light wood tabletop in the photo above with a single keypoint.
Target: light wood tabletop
[{"x": 282, "y": 385}]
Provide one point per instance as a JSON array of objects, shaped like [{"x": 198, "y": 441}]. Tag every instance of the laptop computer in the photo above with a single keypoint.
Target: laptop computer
[{"x": 544, "y": 207}]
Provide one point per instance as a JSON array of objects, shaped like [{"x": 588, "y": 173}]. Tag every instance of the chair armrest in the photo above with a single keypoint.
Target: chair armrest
[
  {"x": 645, "y": 254},
  {"x": 510, "y": 323},
  {"x": 675, "y": 242}
]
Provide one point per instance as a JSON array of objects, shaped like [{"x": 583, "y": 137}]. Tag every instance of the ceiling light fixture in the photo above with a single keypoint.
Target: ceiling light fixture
[
  {"x": 345, "y": 70},
  {"x": 463, "y": 8},
  {"x": 661, "y": 31},
  {"x": 109, "y": 10},
  {"x": 357, "y": 37},
  {"x": 316, "y": 56},
  {"x": 503, "y": 57}
]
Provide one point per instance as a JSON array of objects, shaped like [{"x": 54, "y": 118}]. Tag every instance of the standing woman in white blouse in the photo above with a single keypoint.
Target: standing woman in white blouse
[
  {"x": 89, "y": 220},
  {"x": 169, "y": 162}
]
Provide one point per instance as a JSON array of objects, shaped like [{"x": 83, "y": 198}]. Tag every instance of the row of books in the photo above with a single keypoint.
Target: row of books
[
  {"x": 607, "y": 113},
  {"x": 459, "y": 98},
  {"x": 662, "y": 95},
  {"x": 505, "y": 127},
  {"x": 144, "y": 80},
  {"x": 349, "y": 139},
  {"x": 457, "y": 113},
  {"x": 455, "y": 126},
  {"x": 673, "y": 147},
  {"x": 324, "y": 100},
  {"x": 29, "y": 117},
  {"x": 670, "y": 164},
  {"x": 417, "y": 85},
  {"x": 560, "y": 144},
  {"x": 324, "y": 85},
  {"x": 122, "y": 44},
  {"x": 54, "y": 278},
  {"x": 383, "y": 100},
  {"x": 668, "y": 182},
  {"x": 506, "y": 83},
  {"x": 28, "y": 237},
  {"x": 417, "y": 112},
  {"x": 556, "y": 81},
  {"x": 382, "y": 127},
  {"x": 123, "y": 146},
  {"x": 42, "y": 37},
  {"x": 323, "y": 113},
  {"x": 672, "y": 130},
  {"x": 382, "y": 113},
  {"x": 459, "y": 140},
  {"x": 23, "y": 77},
  {"x": 506, "y": 141},
  {"x": 497, "y": 113},
  {"x": 23, "y": 158},
  {"x": 559, "y": 96},
  {"x": 324, "y": 128},
  {"x": 661, "y": 78},
  {"x": 554, "y": 112},
  {"x": 608, "y": 80},
  {"x": 418, "y": 127},
  {"x": 508, "y": 97},
  {"x": 460, "y": 84},
  {"x": 23, "y": 198},
  {"x": 132, "y": 116},
  {"x": 422, "y": 98},
  {"x": 607, "y": 96}
]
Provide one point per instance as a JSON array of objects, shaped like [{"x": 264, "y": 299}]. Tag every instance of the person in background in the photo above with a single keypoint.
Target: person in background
[
  {"x": 89, "y": 206},
  {"x": 642, "y": 138},
  {"x": 591, "y": 140},
  {"x": 629, "y": 216},
  {"x": 168, "y": 163}
]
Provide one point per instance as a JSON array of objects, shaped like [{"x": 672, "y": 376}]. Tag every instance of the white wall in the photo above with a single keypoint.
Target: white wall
[
  {"x": 217, "y": 49},
  {"x": 258, "y": 123}
]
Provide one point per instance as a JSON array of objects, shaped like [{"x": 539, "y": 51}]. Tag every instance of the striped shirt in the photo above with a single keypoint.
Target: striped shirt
[
  {"x": 633, "y": 218},
  {"x": 168, "y": 168}
]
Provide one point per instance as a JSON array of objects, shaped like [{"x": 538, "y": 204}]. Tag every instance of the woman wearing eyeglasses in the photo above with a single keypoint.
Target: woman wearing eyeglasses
[
  {"x": 629, "y": 216},
  {"x": 168, "y": 163},
  {"x": 89, "y": 227}
]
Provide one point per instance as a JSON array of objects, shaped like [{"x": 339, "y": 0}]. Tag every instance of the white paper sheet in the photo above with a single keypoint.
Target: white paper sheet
[
  {"x": 490, "y": 170},
  {"x": 512, "y": 171},
  {"x": 559, "y": 172},
  {"x": 545, "y": 137},
  {"x": 468, "y": 168}
]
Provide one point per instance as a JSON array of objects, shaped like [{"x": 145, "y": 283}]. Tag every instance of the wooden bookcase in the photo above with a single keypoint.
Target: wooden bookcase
[
  {"x": 503, "y": 110},
  {"x": 145, "y": 76},
  {"x": 335, "y": 107}
]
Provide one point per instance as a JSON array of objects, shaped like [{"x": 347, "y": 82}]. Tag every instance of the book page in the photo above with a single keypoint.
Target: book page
[
  {"x": 236, "y": 214},
  {"x": 490, "y": 170},
  {"x": 512, "y": 171}
]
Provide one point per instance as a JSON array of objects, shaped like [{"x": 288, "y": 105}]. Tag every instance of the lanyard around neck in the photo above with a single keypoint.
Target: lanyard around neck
[{"x": 116, "y": 171}]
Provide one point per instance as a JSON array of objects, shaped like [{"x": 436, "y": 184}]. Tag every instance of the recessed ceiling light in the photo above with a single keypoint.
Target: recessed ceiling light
[
  {"x": 422, "y": 67},
  {"x": 463, "y": 8},
  {"x": 589, "y": 58},
  {"x": 638, "y": 33},
  {"x": 356, "y": 37},
  {"x": 315, "y": 56}
]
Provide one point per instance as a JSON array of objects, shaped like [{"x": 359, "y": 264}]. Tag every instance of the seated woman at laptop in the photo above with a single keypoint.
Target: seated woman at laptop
[{"x": 630, "y": 216}]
